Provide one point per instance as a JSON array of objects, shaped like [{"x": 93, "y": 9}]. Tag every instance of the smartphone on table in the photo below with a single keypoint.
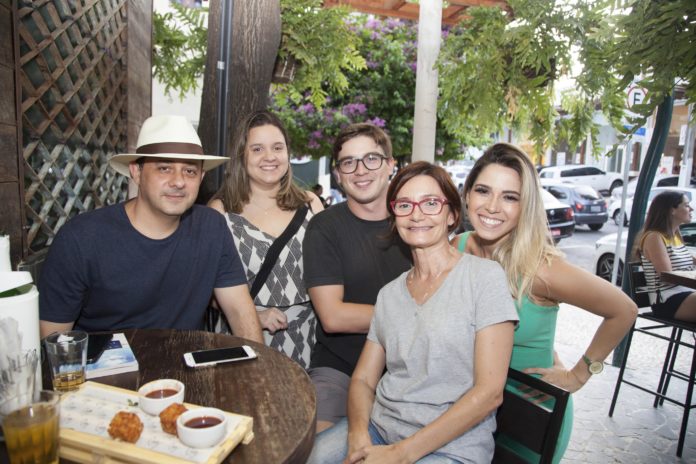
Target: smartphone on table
[{"x": 218, "y": 355}]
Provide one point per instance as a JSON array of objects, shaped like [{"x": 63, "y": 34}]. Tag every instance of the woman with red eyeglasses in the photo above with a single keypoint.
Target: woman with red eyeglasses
[{"x": 442, "y": 336}]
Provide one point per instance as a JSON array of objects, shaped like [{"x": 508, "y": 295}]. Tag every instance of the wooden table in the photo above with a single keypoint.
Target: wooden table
[
  {"x": 272, "y": 389},
  {"x": 685, "y": 278}
]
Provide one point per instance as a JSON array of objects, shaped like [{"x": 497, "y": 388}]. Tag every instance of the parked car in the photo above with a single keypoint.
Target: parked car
[
  {"x": 559, "y": 216},
  {"x": 584, "y": 175},
  {"x": 614, "y": 208},
  {"x": 604, "y": 250},
  {"x": 589, "y": 207},
  {"x": 458, "y": 173},
  {"x": 661, "y": 180}
]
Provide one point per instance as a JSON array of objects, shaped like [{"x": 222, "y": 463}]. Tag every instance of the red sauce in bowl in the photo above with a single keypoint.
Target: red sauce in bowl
[
  {"x": 202, "y": 422},
  {"x": 162, "y": 393}
]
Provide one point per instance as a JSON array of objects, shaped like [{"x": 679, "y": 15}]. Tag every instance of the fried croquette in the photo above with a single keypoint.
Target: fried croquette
[
  {"x": 126, "y": 426},
  {"x": 169, "y": 415}
]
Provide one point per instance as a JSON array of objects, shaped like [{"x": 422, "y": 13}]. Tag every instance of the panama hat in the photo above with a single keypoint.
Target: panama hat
[{"x": 166, "y": 136}]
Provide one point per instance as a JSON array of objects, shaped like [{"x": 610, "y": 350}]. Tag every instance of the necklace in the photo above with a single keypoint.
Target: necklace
[{"x": 431, "y": 283}]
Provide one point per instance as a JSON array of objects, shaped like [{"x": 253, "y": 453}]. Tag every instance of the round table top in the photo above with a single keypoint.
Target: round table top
[{"x": 272, "y": 389}]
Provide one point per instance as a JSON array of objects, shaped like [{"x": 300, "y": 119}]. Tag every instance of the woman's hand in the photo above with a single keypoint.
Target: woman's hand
[
  {"x": 558, "y": 376},
  {"x": 273, "y": 320},
  {"x": 356, "y": 443},
  {"x": 378, "y": 454}
]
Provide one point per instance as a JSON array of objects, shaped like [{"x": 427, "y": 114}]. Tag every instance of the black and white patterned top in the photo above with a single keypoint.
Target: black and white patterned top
[
  {"x": 284, "y": 288},
  {"x": 681, "y": 260}
]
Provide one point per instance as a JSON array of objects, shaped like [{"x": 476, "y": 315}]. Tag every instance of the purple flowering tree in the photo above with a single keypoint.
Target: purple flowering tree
[{"x": 383, "y": 93}]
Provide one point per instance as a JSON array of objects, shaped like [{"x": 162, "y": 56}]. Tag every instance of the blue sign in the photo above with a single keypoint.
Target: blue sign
[{"x": 640, "y": 131}]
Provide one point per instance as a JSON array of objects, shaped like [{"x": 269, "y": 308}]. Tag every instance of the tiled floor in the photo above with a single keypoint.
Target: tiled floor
[{"x": 637, "y": 433}]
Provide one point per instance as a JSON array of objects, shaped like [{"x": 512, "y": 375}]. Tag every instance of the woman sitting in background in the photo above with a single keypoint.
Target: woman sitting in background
[
  {"x": 504, "y": 205},
  {"x": 661, "y": 249},
  {"x": 442, "y": 330},
  {"x": 260, "y": 201}
]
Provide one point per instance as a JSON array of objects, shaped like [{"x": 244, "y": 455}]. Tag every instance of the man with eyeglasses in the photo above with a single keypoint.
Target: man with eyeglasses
[{"x": 349, "y": 255}]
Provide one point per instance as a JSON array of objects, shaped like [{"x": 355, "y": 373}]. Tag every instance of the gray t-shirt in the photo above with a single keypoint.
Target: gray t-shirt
[{"x": 430, "y": 352}]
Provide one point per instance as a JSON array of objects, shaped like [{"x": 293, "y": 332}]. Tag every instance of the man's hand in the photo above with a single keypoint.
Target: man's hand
[{"x": 239, "y": 309}]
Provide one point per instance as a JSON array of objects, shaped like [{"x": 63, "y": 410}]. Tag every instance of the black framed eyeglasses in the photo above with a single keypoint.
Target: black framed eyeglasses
[
  {"x": 371, "y": 161},
  {"x": 429, "y": 206}
]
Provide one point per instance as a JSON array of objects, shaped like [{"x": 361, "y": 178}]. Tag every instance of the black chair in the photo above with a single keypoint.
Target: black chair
[
  {"x": 674, "y": 341},
  {"x": 529, "y": 420}
]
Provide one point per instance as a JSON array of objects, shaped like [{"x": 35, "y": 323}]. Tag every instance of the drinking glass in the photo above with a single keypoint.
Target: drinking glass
[
  {"x": 31, "y": 431},
  {"x": 67, "y": 355},
  {"x": 18, "y": 376}
]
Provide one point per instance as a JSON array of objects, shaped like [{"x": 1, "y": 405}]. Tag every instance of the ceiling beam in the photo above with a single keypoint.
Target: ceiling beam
[{"x": 454, "y": 13}]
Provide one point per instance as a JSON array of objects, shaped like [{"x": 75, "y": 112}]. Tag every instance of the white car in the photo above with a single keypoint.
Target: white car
[
  {"x": 614, "y": 208},
  {"x": 604, "y": 251},
  {"x": 583, "y": 175},
  {"x": 661, "y": 180},
  {"x": 458, "y": 173}
]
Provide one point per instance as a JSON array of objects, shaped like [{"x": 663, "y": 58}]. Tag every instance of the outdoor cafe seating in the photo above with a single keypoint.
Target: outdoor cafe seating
[
  {"x": 680, "y": 334},
  {"x": 532, "y": 420}
]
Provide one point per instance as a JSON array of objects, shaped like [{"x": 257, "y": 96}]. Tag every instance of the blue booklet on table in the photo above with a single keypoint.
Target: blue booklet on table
[{"x": 116, "y": 358}]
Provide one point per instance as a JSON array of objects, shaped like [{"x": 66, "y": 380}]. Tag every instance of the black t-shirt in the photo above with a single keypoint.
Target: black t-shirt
[
  {"x": 341, "y": 249},
  {"x": 102, "y": 274}
]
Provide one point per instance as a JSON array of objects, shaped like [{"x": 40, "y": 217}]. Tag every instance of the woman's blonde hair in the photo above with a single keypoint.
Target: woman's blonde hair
[
  {"x": 529, "y": 244},
  {"x": 234, "y": 192}
]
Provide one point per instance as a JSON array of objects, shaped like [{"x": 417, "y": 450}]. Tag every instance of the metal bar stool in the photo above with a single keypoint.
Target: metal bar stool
[{"x": 674, "y": 341}]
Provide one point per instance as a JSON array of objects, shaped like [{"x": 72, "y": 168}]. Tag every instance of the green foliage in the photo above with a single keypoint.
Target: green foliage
[
  {"x": 180, "y": 46},
  {"x": 317, "y": 38},
  {"x": 382, "y": 93},
  {"x": 325, "y": 48},
  {"x": 577, "y": 124},
  {"x": 498, "y": 68},
  {"x": 656, "y": 45}
]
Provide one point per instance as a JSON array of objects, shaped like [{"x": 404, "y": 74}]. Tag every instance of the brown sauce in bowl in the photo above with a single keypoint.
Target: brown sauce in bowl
[
  {"x": 202, "y": 422},
  {"x": 162, "y": 393}
]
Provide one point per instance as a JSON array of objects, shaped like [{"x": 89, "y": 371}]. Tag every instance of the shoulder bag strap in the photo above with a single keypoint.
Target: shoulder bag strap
[{"x": 274, "y": 250}]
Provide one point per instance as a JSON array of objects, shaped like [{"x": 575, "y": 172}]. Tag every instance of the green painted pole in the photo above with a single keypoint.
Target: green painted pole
[{"x": 640, "y": 200}]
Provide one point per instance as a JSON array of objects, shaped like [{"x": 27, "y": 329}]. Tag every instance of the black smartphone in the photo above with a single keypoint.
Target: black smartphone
[{"x": 96, "y": 344}]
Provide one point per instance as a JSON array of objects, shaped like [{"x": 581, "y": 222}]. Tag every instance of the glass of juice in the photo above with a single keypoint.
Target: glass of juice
[
  {"x": 31, "y": 431},
  {"x": 67, "y": 355}
]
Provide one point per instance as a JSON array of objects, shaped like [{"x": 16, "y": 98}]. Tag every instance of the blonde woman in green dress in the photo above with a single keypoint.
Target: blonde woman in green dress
[{"x": 505, "y": 208}]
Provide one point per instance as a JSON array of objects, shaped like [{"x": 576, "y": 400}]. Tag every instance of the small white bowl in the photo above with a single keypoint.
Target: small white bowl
[
  {"x": 205, "y": 436},
  {"x": 154, "y": 406}
]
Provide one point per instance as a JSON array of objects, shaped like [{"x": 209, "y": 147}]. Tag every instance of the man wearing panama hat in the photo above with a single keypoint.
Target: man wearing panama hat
[{"x": 155, "y": 260}]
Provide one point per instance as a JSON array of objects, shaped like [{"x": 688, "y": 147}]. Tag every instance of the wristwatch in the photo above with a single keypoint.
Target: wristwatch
[{"x": 595, "y": 367}]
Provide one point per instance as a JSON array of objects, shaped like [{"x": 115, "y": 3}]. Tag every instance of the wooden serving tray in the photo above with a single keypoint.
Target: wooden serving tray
[{"x": 84, "y": 420}]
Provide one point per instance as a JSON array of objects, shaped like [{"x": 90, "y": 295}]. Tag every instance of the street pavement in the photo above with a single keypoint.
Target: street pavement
[{"x": 637, "y": 432}]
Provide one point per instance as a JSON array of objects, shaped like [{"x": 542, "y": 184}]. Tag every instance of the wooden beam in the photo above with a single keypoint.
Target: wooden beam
[
  {"x": 11, "y": 179},
  {"x": 454, "y": 13}
]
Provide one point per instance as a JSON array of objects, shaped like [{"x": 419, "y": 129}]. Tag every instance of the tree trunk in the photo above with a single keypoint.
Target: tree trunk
[
  {"x": 255, "y": 33},
  {"x": 425, "y": 107}
]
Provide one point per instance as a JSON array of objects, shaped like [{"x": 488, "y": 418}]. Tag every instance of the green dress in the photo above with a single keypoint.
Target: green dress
[{"x": 533, "y": 347}]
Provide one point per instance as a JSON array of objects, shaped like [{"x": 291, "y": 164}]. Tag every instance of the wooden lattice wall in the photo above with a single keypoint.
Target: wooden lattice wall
[{"x": 74, "y": 87}]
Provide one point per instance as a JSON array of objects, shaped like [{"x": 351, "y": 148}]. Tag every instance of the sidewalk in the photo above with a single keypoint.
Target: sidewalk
[{"x": 638, "y": 433}]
